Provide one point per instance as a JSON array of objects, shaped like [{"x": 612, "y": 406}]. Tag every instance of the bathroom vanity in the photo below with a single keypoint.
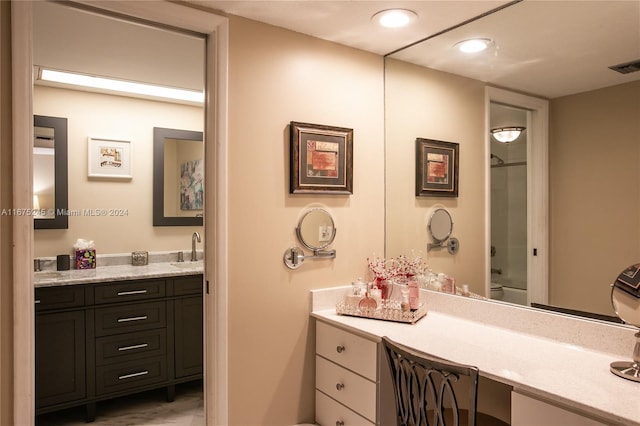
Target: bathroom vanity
[
  {"x": 114, "y": 331},
  {"x": 556, "y": 366}
]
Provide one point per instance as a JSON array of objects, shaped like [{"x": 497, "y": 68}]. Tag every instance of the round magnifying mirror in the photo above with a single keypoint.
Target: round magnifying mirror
[
  {"x": 316, "y": 229},
  {"x": 625, "y": 298},
  {"x": 440, "y": 225}
]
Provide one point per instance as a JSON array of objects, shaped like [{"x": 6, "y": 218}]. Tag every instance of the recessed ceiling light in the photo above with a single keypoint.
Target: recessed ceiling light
[
  {"x": 394, "y": 18},
  {"x": 473, "y": 45}
]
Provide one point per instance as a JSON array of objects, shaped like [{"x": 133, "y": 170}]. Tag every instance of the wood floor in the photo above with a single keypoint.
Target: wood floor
[{"x": 144, "y": 409}]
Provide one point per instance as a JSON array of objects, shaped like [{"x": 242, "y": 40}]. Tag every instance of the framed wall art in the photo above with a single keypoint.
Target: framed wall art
[
  {"x": 321, "y": 159},
  {"x": 109, "y": 158},
  {"x": 436, "y": 168}
]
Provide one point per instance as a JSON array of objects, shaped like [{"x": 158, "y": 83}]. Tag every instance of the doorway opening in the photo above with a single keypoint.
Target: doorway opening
[
  {"x": 508, "y": 207},
  {"x": 517, "y": 241}
]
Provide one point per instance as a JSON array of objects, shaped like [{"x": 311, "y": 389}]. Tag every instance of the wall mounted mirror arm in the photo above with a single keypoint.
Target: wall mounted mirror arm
[
  {"x": 294, "y": 256},
  {"x": 440, "y": 227},
  {"x": 316, "y": 231}
]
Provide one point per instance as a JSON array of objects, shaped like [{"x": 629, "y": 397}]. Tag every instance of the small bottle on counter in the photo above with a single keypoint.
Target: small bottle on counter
[
  {"x": 404, "y": 305},
  {"x": 414, "y": 293}
]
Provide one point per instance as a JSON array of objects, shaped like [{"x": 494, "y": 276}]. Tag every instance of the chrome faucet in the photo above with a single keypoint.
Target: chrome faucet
[{"x": 195, "y": 237}]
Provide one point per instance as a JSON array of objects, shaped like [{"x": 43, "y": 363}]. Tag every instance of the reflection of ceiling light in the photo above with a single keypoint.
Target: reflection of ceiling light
[
  {"x": 122, "y": 86},
  {"x": 507, "y": 134},
  {"x": 395, "y": 18},
  {"x": 473, "y": 45}
]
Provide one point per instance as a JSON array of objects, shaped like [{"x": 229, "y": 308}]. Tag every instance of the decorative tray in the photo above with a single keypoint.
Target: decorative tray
[{"x": 385, "y": 313}]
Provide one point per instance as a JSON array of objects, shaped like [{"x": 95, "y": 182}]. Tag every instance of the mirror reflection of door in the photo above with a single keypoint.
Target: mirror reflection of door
[{"x": 508, "y": 208}]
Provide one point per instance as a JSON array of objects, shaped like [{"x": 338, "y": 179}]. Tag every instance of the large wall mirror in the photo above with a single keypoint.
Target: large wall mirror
[
  {"x": 556, "y": 51},
  {"x": 50, "y": 189},
  {"x": 178, "y": 177}
]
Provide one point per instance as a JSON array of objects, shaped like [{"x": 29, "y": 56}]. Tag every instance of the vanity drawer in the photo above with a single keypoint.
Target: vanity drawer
[
  {"x": 70, "y": 296},
  {"x": 118, "y": 377},
  {"x": 346, "y": 387},
  {"x": 129, "y": 291},
  {"x": 330, "y": 412},
  {"x": 129, "y": 318},
  {"x": 190, "y": 285},
  {"x": 353, "y": 352},
  {"x": 131, "y": 346}
]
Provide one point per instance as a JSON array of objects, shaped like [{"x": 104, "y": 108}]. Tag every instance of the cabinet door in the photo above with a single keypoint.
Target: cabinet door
[
  {"x": 60, "y": 358},
  {"x": 188, "y": 336}
]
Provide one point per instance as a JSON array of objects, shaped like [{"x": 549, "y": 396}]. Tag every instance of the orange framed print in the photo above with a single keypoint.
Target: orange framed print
[
  {"x": 436, "y": 168},
  {"x": 321, "y": 159}
]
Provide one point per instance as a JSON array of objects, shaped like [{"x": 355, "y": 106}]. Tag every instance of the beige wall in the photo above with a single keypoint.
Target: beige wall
[
  {"x": 278, "y": 76},
  {"x": 594, "y": 198},
  {"x": 113, "y": 117},
  {"x": 434, "y": 105}
]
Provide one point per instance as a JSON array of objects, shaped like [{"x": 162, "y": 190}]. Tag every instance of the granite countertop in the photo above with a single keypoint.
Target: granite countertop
[
  {"x": 556, "y": 358},
  {"x": 117, "y": 268}
]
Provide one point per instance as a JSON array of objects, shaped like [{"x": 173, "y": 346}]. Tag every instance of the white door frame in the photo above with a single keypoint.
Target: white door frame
[
  {"x": 215, "y": 302},
  {"x": 537, "y": 190}
]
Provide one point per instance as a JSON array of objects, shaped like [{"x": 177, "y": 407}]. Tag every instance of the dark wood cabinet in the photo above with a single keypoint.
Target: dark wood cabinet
[
  {"x": 103, "y": 340},
  {"x": 188, "y": 336},
  {"x": 60, "y": 358}
]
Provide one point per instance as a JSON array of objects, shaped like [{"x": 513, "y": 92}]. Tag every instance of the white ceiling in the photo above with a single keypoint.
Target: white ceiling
[{"x": 546, "y": 48}]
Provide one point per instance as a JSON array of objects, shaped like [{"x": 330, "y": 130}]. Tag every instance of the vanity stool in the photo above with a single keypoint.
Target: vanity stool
[{"x": 424, "y": 391}]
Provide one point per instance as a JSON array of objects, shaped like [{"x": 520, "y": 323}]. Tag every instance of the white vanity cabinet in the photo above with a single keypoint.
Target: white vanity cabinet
[
  {"x": 529, "y": 411},
  {"x": 348, "y": 374}
]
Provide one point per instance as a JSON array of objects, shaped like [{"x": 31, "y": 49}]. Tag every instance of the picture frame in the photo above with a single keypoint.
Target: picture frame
[
  {"x": 321, "y": 159},
  {"x": 436, "y": 168},
  {"x": 109, "y": 159}
]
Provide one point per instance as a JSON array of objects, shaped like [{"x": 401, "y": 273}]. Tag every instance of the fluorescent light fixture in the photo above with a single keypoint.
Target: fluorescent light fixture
[
  {"x": 122, "y": 86},
  {"x": 473, "y": 45},
  {"x": 394, "y": 18},
  {"x": 507, "y": 134}
]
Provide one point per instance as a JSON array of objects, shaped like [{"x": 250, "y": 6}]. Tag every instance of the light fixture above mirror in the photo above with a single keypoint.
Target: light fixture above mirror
[{"x": 507, "y": 134}]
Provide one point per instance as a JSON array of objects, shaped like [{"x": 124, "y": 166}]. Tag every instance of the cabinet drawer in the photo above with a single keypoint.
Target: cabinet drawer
[
  {"x": 59, "y": 297},
  {"x": 353, "y": 352},
  {"x": 346, "y": 387},
  {"x": 189, "y": 285},
  {"x": 129, "y": 291},
  {"x": 129, "y": 318},
  {"x": 123, "y": 376},
  {"x": 329, "y": 413},
  {"x": 131, "y": 346}
]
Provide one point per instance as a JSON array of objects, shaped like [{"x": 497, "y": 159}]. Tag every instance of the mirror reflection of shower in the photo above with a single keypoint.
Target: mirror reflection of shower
[{"x": 508, "y": 208}]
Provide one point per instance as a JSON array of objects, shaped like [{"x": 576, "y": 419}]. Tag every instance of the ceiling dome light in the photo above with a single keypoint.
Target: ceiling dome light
[
  {"x": 507, "y": 134},
  {"x": 394, "y": 18},
  {"x": 473, "y": 45}
]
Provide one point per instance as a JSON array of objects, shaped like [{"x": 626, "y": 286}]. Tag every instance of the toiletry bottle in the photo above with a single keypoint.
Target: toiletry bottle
[
  {"x": 404, "y": 305},
  {"x": 414, "y": 293}
]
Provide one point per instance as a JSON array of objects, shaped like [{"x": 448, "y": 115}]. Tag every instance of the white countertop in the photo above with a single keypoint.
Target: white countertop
[
  {"x": 116, "y": 273},
  {"x": 561, "y": 370}
]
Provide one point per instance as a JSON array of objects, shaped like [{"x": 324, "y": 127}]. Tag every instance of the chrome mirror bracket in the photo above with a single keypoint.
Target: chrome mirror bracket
[{"x": 294, "y": 256}]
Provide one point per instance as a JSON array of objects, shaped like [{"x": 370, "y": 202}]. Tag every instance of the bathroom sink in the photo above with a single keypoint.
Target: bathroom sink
[
  {"x": 188, "y": 265},
  {"x": 48, "y": 274}
]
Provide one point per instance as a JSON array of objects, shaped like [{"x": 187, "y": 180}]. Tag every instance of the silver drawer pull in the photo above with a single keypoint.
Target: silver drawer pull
[
  {"x": 339, "y": 423},
  {"x": 339, "y": 386},
  {"x": 128, "y": 376},
  {"x": 128, "y": 293},
  {"x": 128, "y": 348},
  {"x": 144, "y": 317},
  {"x": 36, "y": 301},
  {"x": 340, "y": 348}
]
